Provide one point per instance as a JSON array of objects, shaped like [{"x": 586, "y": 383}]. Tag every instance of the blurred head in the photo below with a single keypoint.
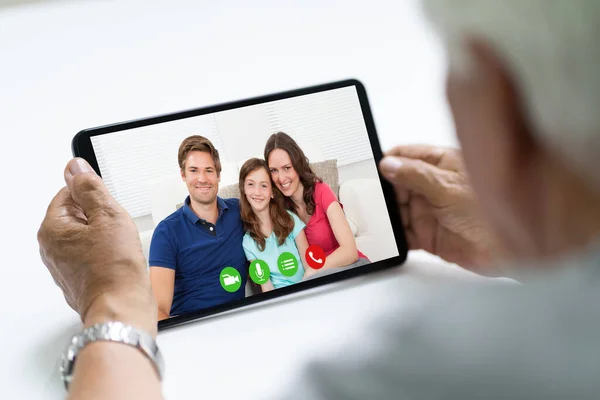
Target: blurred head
[
  {"x": 524, "y": 89},
  {"x": 257, "y": 195},
  {"x": 290, "y": 170},
  {"x": 200, "y": 168}
]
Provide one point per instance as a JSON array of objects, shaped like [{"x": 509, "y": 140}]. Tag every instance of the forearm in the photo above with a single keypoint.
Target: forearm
[
  {"x": 308, "y": 272},
  {"x": 346, "y": 253},
  {"x": 267, "y": 287},
  {"x": 109, "y": 370},
  {"x": 302, "y": 244},
  {"x": 304, "y": 263},
  {"x": 163, "y": 287},
  {"x": 162, "y": 315},
  {"x": 341, "y": 257}
]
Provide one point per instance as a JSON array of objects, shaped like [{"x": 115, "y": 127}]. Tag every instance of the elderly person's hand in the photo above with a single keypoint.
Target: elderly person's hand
[
  {"x": 92, "y": 249},
  {"x": 437, "y": 205}
]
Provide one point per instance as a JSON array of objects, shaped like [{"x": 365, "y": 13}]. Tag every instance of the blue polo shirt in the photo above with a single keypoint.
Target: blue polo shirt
[{"x": 198, "y": 255}]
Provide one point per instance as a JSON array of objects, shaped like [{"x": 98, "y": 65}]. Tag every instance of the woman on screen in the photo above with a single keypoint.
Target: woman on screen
[
  {"x": 314, "y": 202},
  {"x": 274, "y": 239}
]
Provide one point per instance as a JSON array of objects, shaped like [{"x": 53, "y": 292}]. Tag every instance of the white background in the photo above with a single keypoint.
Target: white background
[{"x": 65, "y": 66}]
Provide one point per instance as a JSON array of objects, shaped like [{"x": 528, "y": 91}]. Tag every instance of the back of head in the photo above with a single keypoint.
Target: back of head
[{"x": 551, "y": 50}]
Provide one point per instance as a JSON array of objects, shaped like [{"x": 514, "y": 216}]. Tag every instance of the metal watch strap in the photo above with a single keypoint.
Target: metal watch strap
[{"x": 112, "y": 331}]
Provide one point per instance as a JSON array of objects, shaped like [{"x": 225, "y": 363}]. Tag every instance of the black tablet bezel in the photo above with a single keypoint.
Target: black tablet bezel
[{"x": 82, "y": 147}]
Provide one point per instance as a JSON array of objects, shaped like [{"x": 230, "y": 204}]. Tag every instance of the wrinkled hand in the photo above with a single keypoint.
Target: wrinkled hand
[
  {"x": 437, "y": 205},
  {"x": 92, "y": 249}
]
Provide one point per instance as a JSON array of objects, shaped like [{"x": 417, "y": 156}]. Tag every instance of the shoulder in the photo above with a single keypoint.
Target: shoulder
[
  {"x": 295, "y": 218},
  {"x": 322, "y": 188},
  {"x": 232, "y": 203},
  {"x": 170, "y": 223},
  {"x": 323, "y": 194},
  {"x": 174, "y": 217},
  {"x": 298, "y": 225},
  {"x": 231, "y": 206},
  {"x": 248, "y": 243},
  {"x": 164, "y": 237}
]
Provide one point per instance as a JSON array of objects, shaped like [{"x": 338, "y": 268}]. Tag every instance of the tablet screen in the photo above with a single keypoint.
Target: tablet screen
[{"x": 252, "y": 199}]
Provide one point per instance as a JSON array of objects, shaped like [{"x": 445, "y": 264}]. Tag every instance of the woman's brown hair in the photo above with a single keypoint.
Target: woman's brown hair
[
  {"x": 300, "y": 163},
  {"x": 282, "y": 221}
]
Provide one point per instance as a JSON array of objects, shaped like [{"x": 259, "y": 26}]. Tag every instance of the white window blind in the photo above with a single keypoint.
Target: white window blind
[
  {"x": 331, "y": 120},
  {"x": 129, "y": 160}
]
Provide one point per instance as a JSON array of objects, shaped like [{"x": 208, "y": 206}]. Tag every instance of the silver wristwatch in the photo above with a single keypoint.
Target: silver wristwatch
[{"x": 113, "y": 332}]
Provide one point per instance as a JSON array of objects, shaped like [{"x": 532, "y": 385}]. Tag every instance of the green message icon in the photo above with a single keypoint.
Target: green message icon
[
  {"x": 230, "y": 279},
  {"x": 287, "y": 264},
  {"x": 259, "y": 272}
]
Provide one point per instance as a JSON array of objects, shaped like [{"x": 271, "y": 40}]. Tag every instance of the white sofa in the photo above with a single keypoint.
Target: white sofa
[{"x": 365, "y": 206}]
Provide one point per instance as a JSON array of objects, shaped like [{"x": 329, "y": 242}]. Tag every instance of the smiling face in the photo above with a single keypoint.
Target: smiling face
[
  {"x": 258, "y": 189},
  {"x": 201, "y": 177},
  {"x": 283, "y": 173}
]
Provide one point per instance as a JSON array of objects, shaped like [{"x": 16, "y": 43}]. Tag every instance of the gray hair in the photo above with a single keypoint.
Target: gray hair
[{"x": 552, "y": 48}]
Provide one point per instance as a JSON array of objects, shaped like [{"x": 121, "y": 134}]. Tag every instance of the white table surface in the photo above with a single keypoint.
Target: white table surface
[{"x": 65, "y": 66}]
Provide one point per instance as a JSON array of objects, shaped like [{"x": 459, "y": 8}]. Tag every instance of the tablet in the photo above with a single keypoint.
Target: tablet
[{"x": 251, "y": 200}]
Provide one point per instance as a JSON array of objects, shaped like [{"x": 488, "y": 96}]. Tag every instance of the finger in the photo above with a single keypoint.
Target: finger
[
  {"x": 402, "y": 194},
  {"x": 427, "y": 153},
  {"x": 423, "y": 223},
  {"x": 405, "y": 216},
  {"x": 56, "y": 204},
  {"x": 411, "y": 240},
  {"x": 61, "y": 212},
  {"x": 416, "y": 175},
  {"x": 63, "y": 205},
  {"x": 87, "y": 189}
]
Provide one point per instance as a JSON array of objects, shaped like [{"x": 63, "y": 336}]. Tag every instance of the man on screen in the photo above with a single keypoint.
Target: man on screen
[{"x": 192, "y": 247}]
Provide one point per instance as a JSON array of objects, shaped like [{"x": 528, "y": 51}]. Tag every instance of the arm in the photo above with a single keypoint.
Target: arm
[
  {"x": 267, "y": 287},
  {"x": 106, "y": 370},
  {"x": 302, "y": 245},
  {"x": 92, "y": 249},
  {"x": 163, "y": 287},
  {"x": 347, "y": 253},
  {"x": 115, "y": 371}
]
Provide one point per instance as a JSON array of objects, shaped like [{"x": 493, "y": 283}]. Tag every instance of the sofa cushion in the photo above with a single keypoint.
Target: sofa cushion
[
  {"x": 328, "y": 171},
  {"x": 229, "y": 191}
]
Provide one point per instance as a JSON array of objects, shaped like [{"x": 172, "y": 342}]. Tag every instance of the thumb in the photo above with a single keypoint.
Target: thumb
[
  {"x": 416, "y": 175},
  {"x": 86, "y": 187}
]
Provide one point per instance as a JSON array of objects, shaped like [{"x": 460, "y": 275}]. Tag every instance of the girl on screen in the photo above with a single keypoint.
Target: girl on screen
[
  {"x": 274, "y": 237},
  {"x": 313, "y": 201}
]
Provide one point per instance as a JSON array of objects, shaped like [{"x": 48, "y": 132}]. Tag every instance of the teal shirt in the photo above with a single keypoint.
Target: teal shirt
[{"x": 272, "y": 251}]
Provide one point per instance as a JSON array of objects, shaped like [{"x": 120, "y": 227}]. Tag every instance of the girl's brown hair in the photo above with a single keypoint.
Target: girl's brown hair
[
  {"x": 300, "y": 163},
  {"x": 282, "y": 221}
]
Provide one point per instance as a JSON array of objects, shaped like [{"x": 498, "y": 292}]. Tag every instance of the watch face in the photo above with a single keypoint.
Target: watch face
[{"x": 68, "y": 358}]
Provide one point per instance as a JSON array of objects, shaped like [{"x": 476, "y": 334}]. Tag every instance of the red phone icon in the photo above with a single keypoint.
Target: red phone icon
[{"x": 315, "y": 257}]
